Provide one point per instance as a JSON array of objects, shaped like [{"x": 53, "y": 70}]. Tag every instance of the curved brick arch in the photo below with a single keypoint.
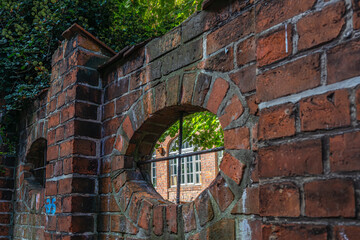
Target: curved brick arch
[{"x": 141, "y": 207}]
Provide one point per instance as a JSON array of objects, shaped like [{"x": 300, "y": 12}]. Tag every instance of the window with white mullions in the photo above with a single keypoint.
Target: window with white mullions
[{"x": 190, "y": 166}]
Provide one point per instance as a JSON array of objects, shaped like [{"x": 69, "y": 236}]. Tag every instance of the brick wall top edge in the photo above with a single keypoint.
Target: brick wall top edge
[
  {"x": 77, "y": 29},
  {"x": 123, "y": 54}
]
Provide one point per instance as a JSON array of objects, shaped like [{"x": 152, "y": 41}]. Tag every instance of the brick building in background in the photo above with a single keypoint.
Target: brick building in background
[
  {"x": 199, "y": 171},
  {"x": 283, "y": 78}
]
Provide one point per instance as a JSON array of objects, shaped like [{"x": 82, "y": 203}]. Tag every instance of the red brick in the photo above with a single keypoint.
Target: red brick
[
  {"x": 104, "y": 223},
  {"x": 116, "y": 89},
  {"x": 223, "y": 229},
  {"x": 356, "y": 14},
  {"x": 188, "y": 214},
  {"x": 279, "y": 199},
  {"x": 221, "y": 62},
  {"x": 357, "y": 102},
  {"x": 232, "y": 112},
  {"x": 218, "y": 93},
  {"x": 119, "y": 223},
  {"x": 79, "y": 204},
  {"x": 248, "y": 203},
  {"x": 277, "y": 122},
  {"x": 269, "y": 13},
  {"x": 84, "y": 147},
  {"x": 202, "y": 87},
  {"x": 290, "y": 78},
  {"x": 231, "y": 32},
  {"x": 330, "y": 198},
  {"x": 232, "y": 167},
  {"x": 158, "y": 220},
  {"x": 85, "y": 110},
  {"x": 6, "y": 207},
  {"x": 67, "y": 113},
  {"x": 128, "y": 128},
  {"x": 52, "y": 153},
  {"x": 145, "y": 215},
  {"x": 300, "y": 158},
  {"x": 160, "y": 96},
  {"x": 61, "y": 100},
  {"x": 204, "y": 208},
  {"x": 342, "y": 61},
  {"x": 173, "y": 91},
  {"x": 325, "y": 111},
  {"x": 274, "y": 46},
  {"x": 246, "y": 52},
  {"x": 345, "y": 152},
  {"x": 188, "y": 87},
  {"x": 245, "y": 79},
  {"x": 52, "y": 105},
  {"x": 253, "y": 104},
  {"x": 54, "y": 120},
  {"x": 108, "y": 110},
  {"x": 111, "y": 126},
  {"x": 108, "y": 145},
  {"x": 294, "y": 232},
  {"x": 221, "y": 192},
  {"x": 124, "y": 103},
  {"x": 321, "y": 27},
  {"x": 51, "y": 188},
  {"x": 237, "y": 138},
  {"x": 346, "y": 232},
  {"x": 80, "y": 165},
  {"x": 171, "y": 217}
]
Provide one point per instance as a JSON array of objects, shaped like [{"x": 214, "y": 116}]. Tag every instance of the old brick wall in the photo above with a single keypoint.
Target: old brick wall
[{"x": 283, "y": 78}]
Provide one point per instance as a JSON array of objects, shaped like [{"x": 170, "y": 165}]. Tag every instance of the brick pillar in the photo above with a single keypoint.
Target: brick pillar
[{"x": 74, "y": 132}]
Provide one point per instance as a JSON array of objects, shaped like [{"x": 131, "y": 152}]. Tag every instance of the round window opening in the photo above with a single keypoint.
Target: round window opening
[{"x": 194, "y": 165}]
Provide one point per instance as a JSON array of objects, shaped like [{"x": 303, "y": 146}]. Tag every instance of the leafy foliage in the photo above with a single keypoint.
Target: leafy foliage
[
  {"x": 201, "y": 129},
  {"x": 30, "y": 32}
]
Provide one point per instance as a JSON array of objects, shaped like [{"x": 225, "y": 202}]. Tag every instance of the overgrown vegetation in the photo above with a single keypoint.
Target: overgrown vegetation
[
  {"x": 201, "y": 129},
  {"x": 31, "y": 29}
]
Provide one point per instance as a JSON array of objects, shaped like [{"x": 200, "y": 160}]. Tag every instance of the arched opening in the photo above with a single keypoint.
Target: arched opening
[
  {"x": 36, "y": 164},
  {"x": 200, "y": 131}
]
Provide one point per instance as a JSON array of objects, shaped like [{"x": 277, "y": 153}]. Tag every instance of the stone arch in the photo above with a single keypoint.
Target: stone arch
[{"x": 141, "y": 207}]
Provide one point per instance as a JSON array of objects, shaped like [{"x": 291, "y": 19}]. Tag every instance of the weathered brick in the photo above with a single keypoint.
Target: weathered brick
[
  {"x": 158, "y": 220},
  {"x": 205, "y": 20},
  {"x": 128, "y": 128},
  {"x": 231, "y": 32},
  {"x": 279, "y": 199},
  {"x": 201, "y": 89},
  {"x": 110, "y": 127},
  {"x": 346, "y": 232},
  {"x": 54, "y": 120},
  {"x": 345, "y": 152},
  {"x": 330, "y": 198},
  {"x": 188, "y": 87},
  {"x": 223, "y": 229},
  {"x": 252, "y": 102},
  {"x": 204, "y": 208},
  {"x": 356, "y": 14},
  {"x": 277, "y": 122},
  {"x": 290, "y": 78},
  {"x": 124, "y": 103},
  {"x": 160, "y": 96},
  {"x": 237, "y": 138},
  {"x": 221, "y": 192},
  {"x": 173, "y": 91},
  {"x": 171, "y": 217},
  {"x": 270, "y": 13},
  {"x": 343, "y": 61},
  {"x": 52, "y": 153},
  {"x": 133, "y": 62},
  {"x": 246, "y": 51},
  {"x": 325, "y": 111},
  {"x": 145, "y": 214},
  {"x": 80, "y": 165},
  {"x": 85, "y": 110},
  {"x": 182, "y": 56},
  {"x": 218, "y": 93},
  {"x": 108, "y": 145},
  {"x": 321, "y": 27},
  {"x": 274, "y": 46},
  {"x": 293, "y": 159},
  {"x": 232, "y": 167},
  {"x": 116, "y": 89},
  {"x": 294, "y": 231},
  {"x": 119, "y": 223},
  {"x": 164, "y": 44},
  {"x": 232, "y": 112},
  {"x": 221, "y": 62},
  {"x": 248, "y": 203},
  {"x": 188, "y": 214},
  {"x": 357, "y": 102},
  {"x": 78, "y": 204},
  {"x": 245, "y": 78}
]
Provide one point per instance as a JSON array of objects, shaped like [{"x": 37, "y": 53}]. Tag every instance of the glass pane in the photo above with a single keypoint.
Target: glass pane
[{"x": 197, "y": 178}]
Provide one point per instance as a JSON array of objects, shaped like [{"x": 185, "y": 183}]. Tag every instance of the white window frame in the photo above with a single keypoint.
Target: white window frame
[{"x": 190, "y": 166}]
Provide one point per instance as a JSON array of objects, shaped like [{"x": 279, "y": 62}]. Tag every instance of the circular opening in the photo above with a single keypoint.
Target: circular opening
[{"x": 199, "y": 131}]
